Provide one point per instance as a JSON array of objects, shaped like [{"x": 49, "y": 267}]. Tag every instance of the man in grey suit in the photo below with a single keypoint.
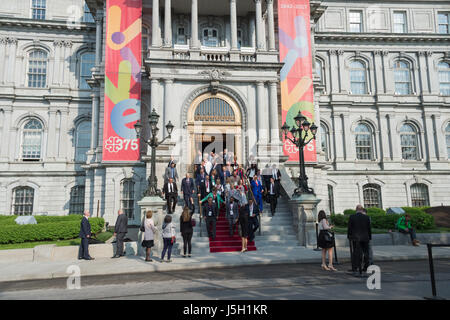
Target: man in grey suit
[
  {"x": 120, "y": 230},
  {"x": 232, "y": 215},
  {"x": 171, "y": 172}
]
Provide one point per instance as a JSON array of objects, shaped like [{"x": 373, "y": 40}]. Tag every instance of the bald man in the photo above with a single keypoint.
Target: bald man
[{"x": 120, "y": 230}]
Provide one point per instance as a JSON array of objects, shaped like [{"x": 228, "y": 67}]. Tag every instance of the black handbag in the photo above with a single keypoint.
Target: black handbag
[
  {"x": 328, "y": 236},
  {"x": 142, "y": 228}
]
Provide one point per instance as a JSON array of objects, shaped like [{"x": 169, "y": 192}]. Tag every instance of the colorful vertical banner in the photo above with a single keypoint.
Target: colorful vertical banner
[
  {"x": 297, "y": 93},
  {"x": 122, "y": 79}
]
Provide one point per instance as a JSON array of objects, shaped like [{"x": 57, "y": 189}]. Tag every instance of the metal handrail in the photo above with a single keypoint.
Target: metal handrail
[{"x": 430, "y": 261}]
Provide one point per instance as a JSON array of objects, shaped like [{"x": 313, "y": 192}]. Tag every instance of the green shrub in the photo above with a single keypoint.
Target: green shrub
[
  {"x": 339, "y": 220},
  {"x": 49, "y": 231},
  {"x": 375, "y": 211},
  {"x": 348, "y": 212}
]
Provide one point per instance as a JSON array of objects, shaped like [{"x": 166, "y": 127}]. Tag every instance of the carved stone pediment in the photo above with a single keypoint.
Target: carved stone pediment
[{"x": 215, "y": 74}]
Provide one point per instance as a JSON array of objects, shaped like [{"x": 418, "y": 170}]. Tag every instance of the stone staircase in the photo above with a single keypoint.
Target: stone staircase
[{"x": 276, "y": 232}]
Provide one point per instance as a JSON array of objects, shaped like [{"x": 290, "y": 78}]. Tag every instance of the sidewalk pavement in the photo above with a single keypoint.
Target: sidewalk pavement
[{"x": 134, "y": 264}]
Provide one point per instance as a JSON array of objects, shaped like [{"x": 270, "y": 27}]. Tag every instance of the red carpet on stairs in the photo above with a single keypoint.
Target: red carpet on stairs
[{"x": 225, "y": 243}]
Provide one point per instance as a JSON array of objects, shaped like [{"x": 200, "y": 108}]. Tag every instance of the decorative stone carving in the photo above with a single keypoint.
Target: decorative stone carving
[{"x": 215, "y": 74}]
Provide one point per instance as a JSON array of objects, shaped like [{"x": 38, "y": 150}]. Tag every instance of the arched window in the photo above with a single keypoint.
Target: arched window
[
  {"x": 444, "y": 78},
  {"x": 32, "y": 140},
  {"x": 372, "y": 196},
  {"x": 210, "y": 37},
  {"x": 87, "y": 62},
  {"x": 402, "y": 78},
  {"x": 22, "y": 201},
  {"x": 363, "y": 142},
  {"x": 83, "y": 141},
  {"x": 37, "y": 69},
  {"x": 419, "y": 195},
  {"x": 358, "y": 78},
  {"x": 127, "y": 197},
  {"x": 214, "y": 110},
  {"x": 77, "y": 200},
  {"x": 325, "y": 141},
  {"x": 409, "y": 142},
  {"x": 447, "y": 139}
]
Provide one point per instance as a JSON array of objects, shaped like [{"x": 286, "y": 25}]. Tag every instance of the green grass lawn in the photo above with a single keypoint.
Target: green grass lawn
[
  {"x": 343, "y": 230},
  {"x": 60, "y": 243}
]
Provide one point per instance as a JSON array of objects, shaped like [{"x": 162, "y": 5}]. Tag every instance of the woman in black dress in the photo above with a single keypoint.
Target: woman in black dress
[
  {"x": 243, "y": 221},
  {"x": 325, "y": 242},
  {"x": 186, "y": 230}
]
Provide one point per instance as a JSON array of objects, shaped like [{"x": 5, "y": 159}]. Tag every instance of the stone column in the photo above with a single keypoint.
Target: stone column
[
  {"x": 423, "y": 72},
  {"x": 2, "y": 58},
  {"x": 384, "y": 136},
  {"x": 334, "y": 74},
  {"x": 338, "y": 137},
  {"x": 271, "y": 23},
  {"x": 350, "y": 152},
  {"x": 396, "y": 145},
  {"x": 156, "y": 34},
  {"x": 168, "y": 24},
  {"x": 98, "y": 37},
  {"x": 154, "y": 103},
  {"x": 378, "y": 67},
  {"x": 167, "y": 104},
  {"x": 194, "y": 25},
  {"x": 51, "y": 138},
  {"x": 273, "y": 112},
  {"x": 6, "y": 134},
  {"x": 440, "y": 138},
  {"x": 430, "y": 134},
  {"x": 233, "y": 23},
  {"x": 259, "y": 25},
  {"x": 262, "y": 114}
]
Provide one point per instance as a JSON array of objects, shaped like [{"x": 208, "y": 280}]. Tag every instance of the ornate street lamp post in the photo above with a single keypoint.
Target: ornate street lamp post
[
  {"x": 301, "y": 138},
  {"x": 153, "y": 143}
]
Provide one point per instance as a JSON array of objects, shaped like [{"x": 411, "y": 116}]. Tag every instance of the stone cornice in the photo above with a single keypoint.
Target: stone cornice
[
  {"x": 382, "y": 37},
  {"x": 45, "y": 24}
]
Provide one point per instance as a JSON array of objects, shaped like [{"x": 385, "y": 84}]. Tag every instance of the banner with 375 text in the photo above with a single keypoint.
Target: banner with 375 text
[
  {"x": 122, "y": 79},
  {"x": 297, "y": 93}
]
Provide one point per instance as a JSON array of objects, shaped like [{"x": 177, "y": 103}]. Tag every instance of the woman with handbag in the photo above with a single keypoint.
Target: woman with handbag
[
  {"x": 186, "y": 229},
  {"x": 326, "y": 241},
  {"x": 169, "y": 237},
  {"x": 149, "y": 230}
]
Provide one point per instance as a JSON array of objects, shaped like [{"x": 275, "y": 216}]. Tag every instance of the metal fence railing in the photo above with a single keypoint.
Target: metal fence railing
[{"x": 432, "y": 276}]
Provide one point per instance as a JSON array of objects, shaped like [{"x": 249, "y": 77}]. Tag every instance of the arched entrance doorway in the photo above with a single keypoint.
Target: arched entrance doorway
[{"x": 214, "y": 124}]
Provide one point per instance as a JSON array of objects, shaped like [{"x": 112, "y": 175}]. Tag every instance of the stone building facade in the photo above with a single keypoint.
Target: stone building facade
[{"x": 382, "y": 100}]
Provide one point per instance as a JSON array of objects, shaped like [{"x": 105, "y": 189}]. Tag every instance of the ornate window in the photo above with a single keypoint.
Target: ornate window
[
  {"x": 210, "y": 37},
  {"x": 447, "y": 139},
  {"x": 32, "y": 140},
  {"x": 419, "y": 195},
  {"x": 145, "y": 41},
  {"x": 400, "y": 22},
  {"x": 87, "y": 14},
  {"x": 330, "y": 199},
  {"x": 319, "y": 70},
  {"x": 37, "y": 69},
  {"x": 444, "y": 22},
  {"x": 214, "y": 110},
  {"x": 356, "y": 21},
  {"x": 38, "y": 9},
  {"x": 402, "y": 78},
  {"x": 77, "y": 200},
  {"x": 87, "y": 63},
  {"x": 363, "y": 142},
  {"x": 127, "y": 197},
  {"x": 409, "y": 142},
  {"x": 325, "y": 141},
  {"x": 372, "y": 196},
  {"x": 22, "y": 202},
  {"x": 83, "y": 141},
  {"x": 444, "y": 78},
  {"x": 358, "y": 78},
  {"x": 181, "y": 35}
]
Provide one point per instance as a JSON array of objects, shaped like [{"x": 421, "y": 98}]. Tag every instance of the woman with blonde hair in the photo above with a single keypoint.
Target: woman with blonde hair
[
  {"x": 149, "y": 235},
  {"x": 187, "y": 230}
]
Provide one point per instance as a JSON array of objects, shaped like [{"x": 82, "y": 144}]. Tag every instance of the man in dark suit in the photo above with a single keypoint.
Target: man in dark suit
[
  {"x": 273, "y": 192},
  {"x": 232, "y": 215},
  {"x": 210, "y": 215},
  {"x": 120, "y": 230},
  {"x": 170, "y": 192},
  {"x": 171, "y": 172},
  {"x": 188, "y": 189},
  {"x": 253, "y": 215},
  {"x": 85, "y": 235},
  {"x": 359, "y": 233}
]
